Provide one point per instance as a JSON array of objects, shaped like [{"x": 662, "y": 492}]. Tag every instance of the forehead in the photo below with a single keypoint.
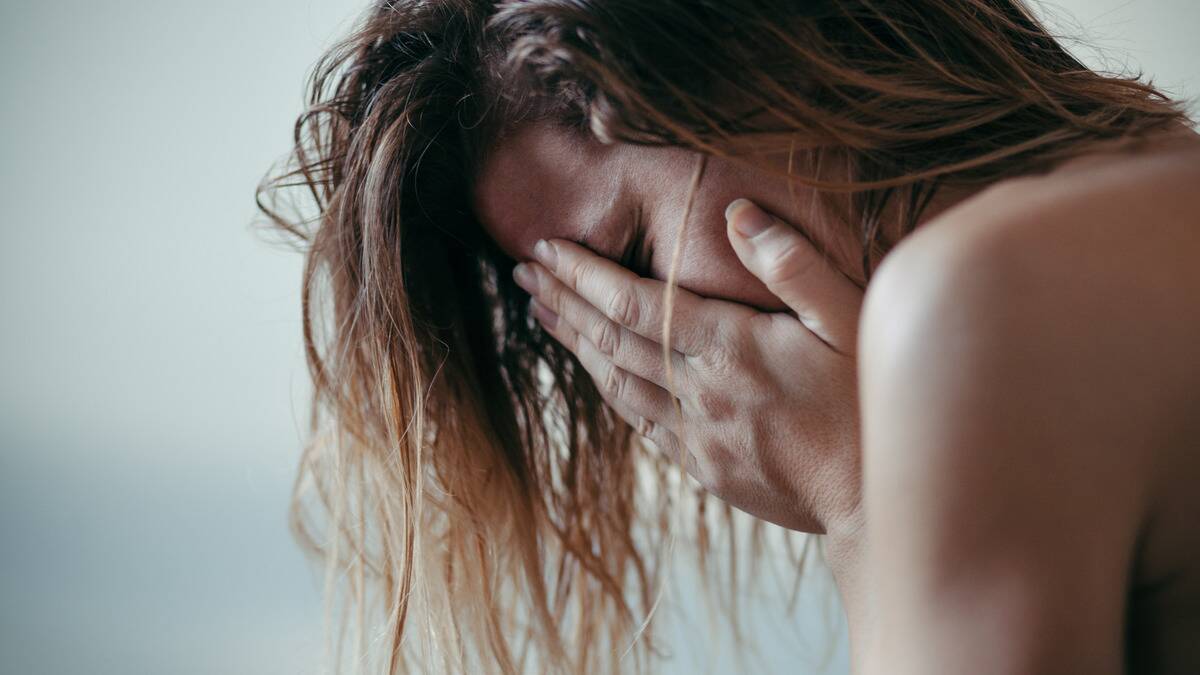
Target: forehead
[{"x": 540, "y": 181}]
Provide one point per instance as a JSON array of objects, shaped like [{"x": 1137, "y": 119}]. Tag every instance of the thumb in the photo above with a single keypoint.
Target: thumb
[{"x": 824, "y": 300}]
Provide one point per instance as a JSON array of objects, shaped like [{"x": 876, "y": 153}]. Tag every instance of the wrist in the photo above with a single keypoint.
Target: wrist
[{"x": 845, "y": 546}]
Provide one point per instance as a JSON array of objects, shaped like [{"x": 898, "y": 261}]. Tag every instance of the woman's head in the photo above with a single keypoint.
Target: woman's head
[
  {"x": 624, "y": 201},
  {"x": 466, "y": 463}
]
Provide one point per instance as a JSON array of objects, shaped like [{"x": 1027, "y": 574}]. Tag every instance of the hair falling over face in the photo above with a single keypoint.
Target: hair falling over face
[{"x": 478, "y": 508}]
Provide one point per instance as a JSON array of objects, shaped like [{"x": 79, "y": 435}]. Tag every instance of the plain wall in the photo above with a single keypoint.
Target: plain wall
[{"x": 151, "y": 375}]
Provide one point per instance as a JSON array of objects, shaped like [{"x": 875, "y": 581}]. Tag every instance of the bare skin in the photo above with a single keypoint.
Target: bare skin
[
  {"x": 1042, "y": 520},
  {"x": 1026, "y": 367},
  {"x": 543, "y": 183}
]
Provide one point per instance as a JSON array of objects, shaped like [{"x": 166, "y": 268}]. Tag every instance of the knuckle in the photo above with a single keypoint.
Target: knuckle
[
  {"x": 575, "y": 274},
  {"x": 606, "y": 337},
  {"x": 623, "y": 307},
  {"x": 645, "y": 427},
  {"x": 662, "y": 439},
  {"x": 551, "y": 293},
  {"x": 793, "y": 262},
  {"x": 568, "y": 336},
  {"x": 615, "y": 382}
]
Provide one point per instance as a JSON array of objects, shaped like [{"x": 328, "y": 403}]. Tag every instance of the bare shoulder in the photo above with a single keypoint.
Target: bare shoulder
[
  {"x": 1028, "y": 373},
  {"x": 1088, "y": 276},
  {"x": 1039, "y": 324}
]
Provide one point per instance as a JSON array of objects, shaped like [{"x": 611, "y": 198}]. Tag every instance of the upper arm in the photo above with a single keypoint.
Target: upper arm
[{"x": 1000, "y": 498}]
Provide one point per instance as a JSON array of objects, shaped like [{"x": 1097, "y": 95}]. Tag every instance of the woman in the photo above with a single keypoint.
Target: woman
[{"x": 1023, "y": 370}]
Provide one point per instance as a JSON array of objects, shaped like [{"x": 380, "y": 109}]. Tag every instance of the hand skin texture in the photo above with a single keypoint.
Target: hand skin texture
[{"x": 768, "y": 400}]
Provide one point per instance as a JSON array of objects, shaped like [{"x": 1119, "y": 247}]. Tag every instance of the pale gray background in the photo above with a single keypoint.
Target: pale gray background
[{"x": 151, "y": 378}]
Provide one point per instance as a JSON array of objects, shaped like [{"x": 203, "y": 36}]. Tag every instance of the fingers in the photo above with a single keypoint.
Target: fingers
[
  {"x": 823, "y": 298},
  {"x": 647, "y": 407},
  {"x": 631, "y": 301},
  {"x": 625, "y": 348}
]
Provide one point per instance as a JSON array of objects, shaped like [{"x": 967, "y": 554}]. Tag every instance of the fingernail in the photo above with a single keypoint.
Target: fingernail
[
  {"x": 545, "y": 252},
  {"x": 746, "y": 218},
  {"x": 543, "y": 314},
  {"x": 525, "y": 277}
]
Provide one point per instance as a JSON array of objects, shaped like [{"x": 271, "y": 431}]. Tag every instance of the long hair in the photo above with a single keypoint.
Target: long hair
[{"x": 478, "y": 506}]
